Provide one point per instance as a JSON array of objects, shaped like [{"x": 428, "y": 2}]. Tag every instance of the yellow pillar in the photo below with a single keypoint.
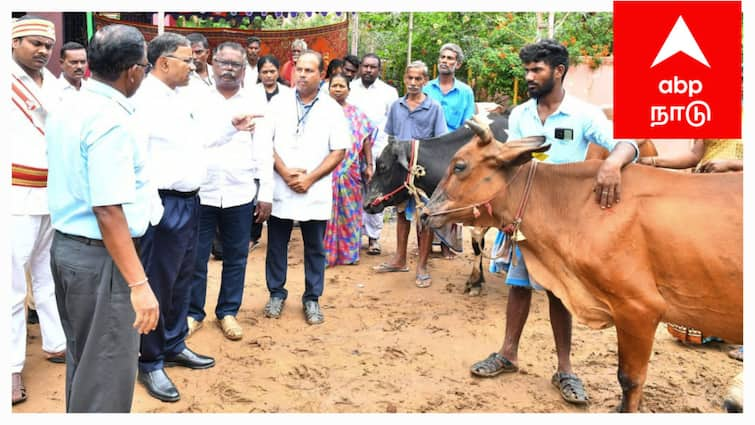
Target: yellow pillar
[{"x": 516, "y": 91}]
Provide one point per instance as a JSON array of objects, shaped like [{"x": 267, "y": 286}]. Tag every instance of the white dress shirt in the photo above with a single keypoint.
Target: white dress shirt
[
  {"x": 321, "y": 133},
  {"x": 250, "y": 76},
  {"x": 175, "y": 141},
  {"x": 68, "y": 88},
  {"x": 28, "y": 146},
  {"x": 236, "y": 159},
  {"x": 375, "y": 101}
]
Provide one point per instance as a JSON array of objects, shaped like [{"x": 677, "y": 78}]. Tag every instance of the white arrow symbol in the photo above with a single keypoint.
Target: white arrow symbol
[{"x": 680, "y": 39}]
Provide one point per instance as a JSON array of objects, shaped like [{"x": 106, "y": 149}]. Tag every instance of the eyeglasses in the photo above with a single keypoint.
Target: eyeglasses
[
  {"x": 232, "y": 64},
  {"x": 147, "y": 66},
  {"x": 187, "y": 61}
]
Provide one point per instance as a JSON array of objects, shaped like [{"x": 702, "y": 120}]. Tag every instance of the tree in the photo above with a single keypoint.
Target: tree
[{"x": 490, "y": 40}]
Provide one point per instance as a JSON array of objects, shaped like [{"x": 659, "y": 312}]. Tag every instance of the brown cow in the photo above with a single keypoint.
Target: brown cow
[{"x": 671, "y": 250}]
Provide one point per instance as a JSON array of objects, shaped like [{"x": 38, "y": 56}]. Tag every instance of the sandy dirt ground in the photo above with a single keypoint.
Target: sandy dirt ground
[{"x": 387, "y": 346}]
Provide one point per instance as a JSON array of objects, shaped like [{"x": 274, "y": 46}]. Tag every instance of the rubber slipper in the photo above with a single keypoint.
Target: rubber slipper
[
  {"x": 494, "y": 365},
  {"x": 19, "y": 390},
  {"x": 423, "y": 280},
  {"x": 387, "y": 268},
  {"x": 570, "y": 387}
]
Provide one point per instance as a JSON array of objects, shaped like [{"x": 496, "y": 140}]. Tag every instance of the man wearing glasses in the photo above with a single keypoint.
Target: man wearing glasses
[
  {"x": 227, "y": 193},
  {"x": 101, "y": 202},
  {"x": 168, "y": 248}
]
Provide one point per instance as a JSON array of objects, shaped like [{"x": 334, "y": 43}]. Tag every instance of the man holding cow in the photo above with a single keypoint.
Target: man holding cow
[{"x": 569, "y": 124}]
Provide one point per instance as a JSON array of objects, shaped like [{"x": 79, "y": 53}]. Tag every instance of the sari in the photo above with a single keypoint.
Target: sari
[{"x": 343, "y": 231}]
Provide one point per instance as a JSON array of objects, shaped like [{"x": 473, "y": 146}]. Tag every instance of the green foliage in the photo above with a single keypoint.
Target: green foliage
[
  {"x": 300, "y": 21},
  {"x": 490, "y": 40}
]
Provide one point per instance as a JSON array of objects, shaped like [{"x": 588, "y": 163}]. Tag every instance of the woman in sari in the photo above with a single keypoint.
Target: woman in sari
[{"x": 342, "y": 234}]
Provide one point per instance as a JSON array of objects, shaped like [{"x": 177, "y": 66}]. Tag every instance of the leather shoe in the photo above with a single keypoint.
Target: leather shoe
[
  {"x": 190, "y": 359},
  {"x": 159, "y": 385}
]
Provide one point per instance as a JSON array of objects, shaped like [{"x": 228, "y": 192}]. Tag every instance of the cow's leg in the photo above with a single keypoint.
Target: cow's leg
[
  {"x": 635, "y": 329},
  {"x": 477, "y": 277}
]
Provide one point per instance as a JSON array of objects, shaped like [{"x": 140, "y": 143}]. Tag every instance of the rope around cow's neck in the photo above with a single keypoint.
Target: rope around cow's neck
[
  {"x": 511, "y": 229},
  {"x": 415, "y": 170}
]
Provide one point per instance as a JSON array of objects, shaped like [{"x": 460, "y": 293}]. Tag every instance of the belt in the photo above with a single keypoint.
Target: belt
[
  {"x": 88, "y": 241},
  {"x": 26, "y": 176},
  {"x": 171, "y": 192}
]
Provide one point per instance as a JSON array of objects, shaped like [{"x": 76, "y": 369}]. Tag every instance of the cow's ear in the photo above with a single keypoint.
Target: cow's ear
[
  {"x": 402, "y": 153},
  {"x": 517, "y": 152}
]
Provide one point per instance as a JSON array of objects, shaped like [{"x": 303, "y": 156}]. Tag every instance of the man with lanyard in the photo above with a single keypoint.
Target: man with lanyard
[
  {"x": 569, "y": 124},
  {"x": 374, "y": 97},
  {"x": 101, "y": 203},
  {"x": 227, "y": 194},
  {"x": 308, "y": 144},
  {"x": 35, "y": 91},
  {"x": 168, "y": 248},
  {"x": 455, "y": 97}
]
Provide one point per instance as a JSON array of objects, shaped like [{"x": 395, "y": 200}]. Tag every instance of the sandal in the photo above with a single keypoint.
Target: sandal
[
  {"x": 19, "y": 390},
  {"x": 59, "y": 357},
  {"x": 737, "y": 353},
  {"x": 423, "y": 280},
  {"x": 374, "y": 247},
  {"x": 231, "y": 328},
  {"x": 494, "y": 365},
  {"x": 387, "y": 268},
  {"x": 571, "y": 387}
]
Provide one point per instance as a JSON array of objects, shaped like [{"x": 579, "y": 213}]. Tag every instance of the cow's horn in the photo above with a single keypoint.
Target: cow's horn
[{"x": 481, "y": 132}]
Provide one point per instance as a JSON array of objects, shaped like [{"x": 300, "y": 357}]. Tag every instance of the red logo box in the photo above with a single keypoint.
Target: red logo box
[{"x": 678, "y": 69}]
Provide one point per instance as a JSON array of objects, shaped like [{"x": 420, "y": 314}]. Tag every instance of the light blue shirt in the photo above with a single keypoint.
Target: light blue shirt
[
  {"x": 458, "y": 104},
  {"x": 95, "y": 159},
  {"x": 586, "y": 122},
  {"x": 424, "y": 122}
]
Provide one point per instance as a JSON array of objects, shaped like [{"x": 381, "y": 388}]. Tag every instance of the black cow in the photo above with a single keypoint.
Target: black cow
[{"x": 392, "y": 169}]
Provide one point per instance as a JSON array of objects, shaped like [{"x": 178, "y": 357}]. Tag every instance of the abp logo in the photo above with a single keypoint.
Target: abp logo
[{"x": 678, "y": 69}]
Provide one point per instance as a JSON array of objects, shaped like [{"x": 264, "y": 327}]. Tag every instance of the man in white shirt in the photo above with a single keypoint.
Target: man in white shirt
[
  {"x": 168, "y": 248},
  {"x": 308, "y": 144},
  {"x": 73, "y": 66},
  {"x": 374, "y": 97},
  {"x": 200, "y": 51},
  {"x": 226, "y": 195},
  {"x": 252, "y": 56},
  {"x": 35, "y": 91}
]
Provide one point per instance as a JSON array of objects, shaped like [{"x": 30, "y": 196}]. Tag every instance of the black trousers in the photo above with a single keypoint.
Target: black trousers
[{"x": 168, "y": 253}]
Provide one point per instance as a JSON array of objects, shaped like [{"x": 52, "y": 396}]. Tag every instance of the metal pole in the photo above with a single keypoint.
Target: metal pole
[
  {"x": 355, "y": 33},
  {"x": 409, "y": 43},
  {"x": 90, "y": 25},
  {"x": 551, "y": 24},
  {"x": 160, "y": 22}
]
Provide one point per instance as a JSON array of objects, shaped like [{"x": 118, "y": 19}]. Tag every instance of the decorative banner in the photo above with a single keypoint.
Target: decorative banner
[
  {"x": 678, "y": 69},
  {"x": 329, "y": 40}
]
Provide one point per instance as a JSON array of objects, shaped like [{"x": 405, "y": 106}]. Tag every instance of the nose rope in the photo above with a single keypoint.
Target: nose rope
[
  {"x": 511, "y": 229},
  {"x": 475, "y": 207},
  {"x": 415, "y": 170}
]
